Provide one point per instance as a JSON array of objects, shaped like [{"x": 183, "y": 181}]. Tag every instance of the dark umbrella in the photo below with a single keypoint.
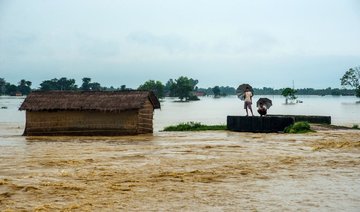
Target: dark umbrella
[
  {"x": 265, "y": 101},
  {"x": 241, "y": 90}
]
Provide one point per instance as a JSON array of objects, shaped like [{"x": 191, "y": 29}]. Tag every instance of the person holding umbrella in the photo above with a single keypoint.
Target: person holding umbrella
[
  {"x": 245, "y": 93},
  {"x": 263, "y": 104},
  {"x": 262, "y": 109},
  {"x": 248, "y": 101}
]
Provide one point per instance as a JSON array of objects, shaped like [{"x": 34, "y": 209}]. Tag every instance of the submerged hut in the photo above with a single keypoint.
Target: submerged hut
[{"x": 89, "y": 112}]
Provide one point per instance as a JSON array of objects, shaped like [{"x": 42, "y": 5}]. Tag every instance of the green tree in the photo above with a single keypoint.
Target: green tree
[
  {"x": 11, "y": 89},
  {"x": 49, "y": 85},
  {"x": 156, "y": 86},
  {"x": 183, "y": 87},
  {"x": 216, "y": 91},
  {"x": 351, "y": 78},
  {"x": 67, "y": 84},
  {"x": 95, "y": 86},
  {"x": 2, "y": 86},
  {"x": 24, "y": 87},
  {"x": 86, "y": 84},
  {"x": 58, "y": 84},
  {"x": 169, "y": 88},
  {"x": 288, "y": 93}
]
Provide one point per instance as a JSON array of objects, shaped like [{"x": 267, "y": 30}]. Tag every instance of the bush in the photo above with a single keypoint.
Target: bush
[
  {"x": 193, "y": 98},
  {"x": 194, "y": 126},
  {"x": 298, "y": 127},
  {"x": 355, "y": 126}
]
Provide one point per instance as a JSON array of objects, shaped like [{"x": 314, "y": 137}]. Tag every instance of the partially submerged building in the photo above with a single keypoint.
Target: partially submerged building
[{"x": 89, "y": 113}]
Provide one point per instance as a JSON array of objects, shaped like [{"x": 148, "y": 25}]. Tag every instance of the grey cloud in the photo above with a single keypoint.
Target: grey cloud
[
  {"x": 171, "y": 43},
  {"x": 95, "y": 47}
]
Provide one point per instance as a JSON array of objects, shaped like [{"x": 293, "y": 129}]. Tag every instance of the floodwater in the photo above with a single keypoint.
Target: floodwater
[{"x": 181, "y": 171}]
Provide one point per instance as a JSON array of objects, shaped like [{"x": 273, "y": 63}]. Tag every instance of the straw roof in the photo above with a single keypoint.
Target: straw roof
[{"x": 109, "y": 101}]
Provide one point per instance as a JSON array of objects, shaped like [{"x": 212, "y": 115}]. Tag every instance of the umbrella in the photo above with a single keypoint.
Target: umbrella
[
  {"x": 265, "y": 101},
  {"x": 241, "y": 90}
]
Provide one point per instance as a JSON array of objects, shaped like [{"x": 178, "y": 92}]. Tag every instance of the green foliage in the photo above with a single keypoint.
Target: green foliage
[
  {"x": 224, "y": 90},
  {"x": 123, "y": 87},
  {"x": 87, "y": 85},
  {"x": 351, "y": 78},
  {"x": 194, "y": 126},
  {"x": 355, "y": 126},
  {"x": 216, "y": 91},
  {"x": 23, "y": 87},
  {"x": 298, "y": 127},
  {"x": 62, "y": 84},
  {"x": 182, "y": 87},
  {"x": 2, "y": 86},
  {"x": 193, "y": 98},
  {"x": 289, "y": 93},
  {"x": 156, "y": 86},
  {"x": 307, "y": 91}
]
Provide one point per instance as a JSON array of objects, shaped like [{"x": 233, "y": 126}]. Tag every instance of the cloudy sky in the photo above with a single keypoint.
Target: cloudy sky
[{"x": 219, "y": 42}]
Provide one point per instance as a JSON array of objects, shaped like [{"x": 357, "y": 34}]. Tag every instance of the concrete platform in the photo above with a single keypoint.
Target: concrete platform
[
  {"x": 263, "y": 124},
  {"x": 310, "y": 119}
]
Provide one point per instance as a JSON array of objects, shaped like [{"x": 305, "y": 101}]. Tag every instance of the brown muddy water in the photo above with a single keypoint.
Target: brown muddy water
[{"x": 182, "y": 171}]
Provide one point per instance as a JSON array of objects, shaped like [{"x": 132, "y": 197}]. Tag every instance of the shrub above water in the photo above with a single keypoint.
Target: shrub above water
[
  {"x": 194, "y": 126},
  {"x": 298, "y": 127}
]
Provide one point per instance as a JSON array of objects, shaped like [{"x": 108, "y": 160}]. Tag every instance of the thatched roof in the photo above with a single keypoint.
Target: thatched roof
[{"x": 88, "y": 100}]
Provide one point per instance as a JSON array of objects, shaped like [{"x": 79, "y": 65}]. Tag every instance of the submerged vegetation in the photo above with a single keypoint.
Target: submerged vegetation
[
  {"x": 299, "y": 127},
  {"x": 194, "y": 126}
]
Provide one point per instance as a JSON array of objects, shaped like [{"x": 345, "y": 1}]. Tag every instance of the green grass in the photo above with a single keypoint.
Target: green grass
[
  {"x": 299, "y": 127},
  {"x": 194, "y": 126}
]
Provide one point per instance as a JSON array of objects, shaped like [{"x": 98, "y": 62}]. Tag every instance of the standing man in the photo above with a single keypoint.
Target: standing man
[{"x": 248, "y": 101}]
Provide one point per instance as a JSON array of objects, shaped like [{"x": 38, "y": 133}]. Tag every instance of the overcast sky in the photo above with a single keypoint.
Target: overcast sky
[{"x": 219, "y": 42}]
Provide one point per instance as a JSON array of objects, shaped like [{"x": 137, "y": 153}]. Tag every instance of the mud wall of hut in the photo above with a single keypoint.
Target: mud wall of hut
[
  {"x": 82, "y": 123},
  {"x": 145, "y": 118}
]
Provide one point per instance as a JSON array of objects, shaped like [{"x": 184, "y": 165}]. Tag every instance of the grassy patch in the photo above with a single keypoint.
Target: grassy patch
[
  {"x": 194, "y": 126},
  {"x": 299, "y": 127}
]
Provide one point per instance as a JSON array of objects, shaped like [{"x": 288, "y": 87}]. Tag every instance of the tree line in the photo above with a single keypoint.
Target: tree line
[
  {"x": 22, "y": 88},
  {"x": 184, "y": 88}
]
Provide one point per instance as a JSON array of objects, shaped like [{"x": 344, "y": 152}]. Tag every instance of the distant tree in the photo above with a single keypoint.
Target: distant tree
[
  {"x": 58, "y": 84},
  {"x": 95, "y": 86},
  {"x": 351, "y": 79},
  {"x": 169, "y": 88},
  {"x": 216, "y": 91},
  {"x": 49, "y": 85},
  {"x": 24, "y": 87},
  {"x": 288, "y": 93},
  {"x": 156, "y": 86},
  {"x": 227, "y": 90},
  {"x": 67, "y": 84},
  {"x": 123, "y": 87},
  {"x": 2, "y": 86},
  {"x": 11, "y": 89},
  {"x": 86, "y": 84},
  {"x": 183, "y": 87}
]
